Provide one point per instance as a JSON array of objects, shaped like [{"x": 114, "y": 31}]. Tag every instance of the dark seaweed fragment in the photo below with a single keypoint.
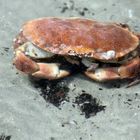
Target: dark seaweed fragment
[
  {"x": 4, "y": 137},
  {"x": 54, "y": 92},
  {"x": 88, "y": 105}
]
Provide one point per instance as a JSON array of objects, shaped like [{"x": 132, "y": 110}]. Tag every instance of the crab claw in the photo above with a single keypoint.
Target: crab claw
[
  {"x": 24, "y": 64},
  {"x": 50, "y": 71},
  {"x": 127, "y": 70},
  {"x": 44, "y": 70}
]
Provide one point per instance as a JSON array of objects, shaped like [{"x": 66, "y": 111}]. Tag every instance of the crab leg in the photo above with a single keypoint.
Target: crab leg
[
  {"x": 127, "y": 70},
  {"x": 138, "y": 35},
  {"x": 40, "y": 70}
]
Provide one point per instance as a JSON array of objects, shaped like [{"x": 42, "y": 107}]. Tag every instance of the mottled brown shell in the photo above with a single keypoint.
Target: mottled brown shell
[{"x": 81, "y": 37}]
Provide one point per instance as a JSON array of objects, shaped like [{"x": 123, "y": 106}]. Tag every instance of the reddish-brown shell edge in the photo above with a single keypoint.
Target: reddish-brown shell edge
[{"x": 81, "y": 37}]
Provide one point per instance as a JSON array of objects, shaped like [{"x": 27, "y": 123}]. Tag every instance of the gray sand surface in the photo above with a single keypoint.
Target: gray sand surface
[{"x": 26, "y": 116}]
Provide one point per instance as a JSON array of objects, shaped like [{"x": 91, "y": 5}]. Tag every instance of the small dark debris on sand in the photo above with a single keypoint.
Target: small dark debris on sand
[
  {"x": 88, "y": 105},
  {"x": 117, "y": 85},
  {"x": 52, "y": 138},
  {"x": 100, "y": 89},
  {"x": 6, "y": 49},
  {"x": 4, "y": 137},
  {"x": 119, "y": 95},
  {"x": 129, "y": 100},
  {"x": 128, "y": 103},
  {"x": 136, "y": 95},
  {"x": 71, "y": 6},
  {"x": 54, "y": 92},
  {"x": 82, "y": 13},
  {"x": 67, "y": 6},
  {"x": 64, "y": 9}
]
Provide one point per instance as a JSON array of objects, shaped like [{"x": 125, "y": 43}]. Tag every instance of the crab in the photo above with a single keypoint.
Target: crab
[{"x": 53, "y": 48}]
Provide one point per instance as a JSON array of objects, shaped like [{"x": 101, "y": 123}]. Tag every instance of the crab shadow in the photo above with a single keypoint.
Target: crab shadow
[
  {"x": 115, "y": 84},
  {"x": 107, "y": 84},
  {"x": 80, "y": 77}
]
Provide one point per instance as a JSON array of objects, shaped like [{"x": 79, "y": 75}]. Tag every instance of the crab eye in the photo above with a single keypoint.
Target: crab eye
[{"x": 35, "y": 52}]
